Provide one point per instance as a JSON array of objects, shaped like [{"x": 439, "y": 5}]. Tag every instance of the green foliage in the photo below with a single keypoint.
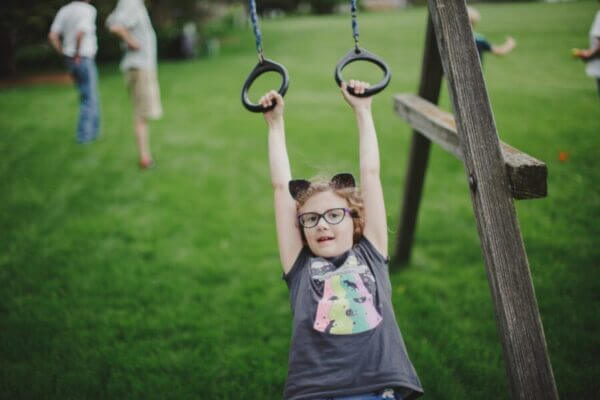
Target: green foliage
[
  {"x": 166, "y": 284},
  {"x": 233, "y": 19},
  {"x": 284, "y": 5},
  {"x": 325, "y": 6},
  {"x": 290, "y": 6},
  {"x": 24, "y": 23},
  {"x": 24, "y": 27}
]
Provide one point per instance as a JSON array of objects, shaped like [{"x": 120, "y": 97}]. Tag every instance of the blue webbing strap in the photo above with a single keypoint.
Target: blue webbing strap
[
  {"x": 256, "y": 28},
  {"x": 353, "y": 10}
]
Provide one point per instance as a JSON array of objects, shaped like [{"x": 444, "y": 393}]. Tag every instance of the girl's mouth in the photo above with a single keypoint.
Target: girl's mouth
[{"x": 325, "y": 239}]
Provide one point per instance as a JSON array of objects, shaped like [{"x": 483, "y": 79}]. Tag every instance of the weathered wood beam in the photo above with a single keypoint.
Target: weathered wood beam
[
  {"x": 518, "y": 320},
  {"x": 527, "y": 175},
  {"x": 429, "y": 88}
]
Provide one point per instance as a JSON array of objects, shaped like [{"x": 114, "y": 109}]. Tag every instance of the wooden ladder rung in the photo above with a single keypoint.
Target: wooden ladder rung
[{"x": 527, "y": 175}]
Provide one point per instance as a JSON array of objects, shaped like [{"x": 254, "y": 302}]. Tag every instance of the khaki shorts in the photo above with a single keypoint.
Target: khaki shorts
[{"x": 145, "y": 94}]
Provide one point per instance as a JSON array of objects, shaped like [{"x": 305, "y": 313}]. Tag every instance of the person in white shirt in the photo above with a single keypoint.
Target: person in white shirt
[
  {"x": 592, "y": 55},
  {"x": 73, "y": 35},
  {"x": 130, "y": 22}
]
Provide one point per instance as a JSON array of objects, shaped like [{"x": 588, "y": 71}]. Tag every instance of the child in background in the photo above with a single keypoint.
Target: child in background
[
  {"x": 130, "y": 22},
  {"x": 332, "y": 238},
  {"x": 482, "y": 43}
]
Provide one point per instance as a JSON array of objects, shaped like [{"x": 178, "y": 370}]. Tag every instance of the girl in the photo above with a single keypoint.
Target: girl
[{"x": 332, "y": 240}]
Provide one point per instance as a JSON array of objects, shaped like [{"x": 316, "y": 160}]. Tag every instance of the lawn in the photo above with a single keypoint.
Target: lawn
[{"x": 166, "y": 284}]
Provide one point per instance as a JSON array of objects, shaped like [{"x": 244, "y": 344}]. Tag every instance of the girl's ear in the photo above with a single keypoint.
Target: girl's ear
[
  {"x": 297, "y": 187},
  {"x": 343, "y": 180}
]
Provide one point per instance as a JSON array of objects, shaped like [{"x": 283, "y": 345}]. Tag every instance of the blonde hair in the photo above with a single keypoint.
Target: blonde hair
[{"x": 350, "y": 194}]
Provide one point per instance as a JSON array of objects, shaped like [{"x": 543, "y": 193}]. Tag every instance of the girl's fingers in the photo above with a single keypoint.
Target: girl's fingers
[
  {"x": 272, "y": 97},
  {"x": 279, "y": 98},
  {"x": 363, "y": 86},
  {"x": 344, "y": 89},
  {"x": 358, "y": 87},
  {"x": 265, "y": 101}
]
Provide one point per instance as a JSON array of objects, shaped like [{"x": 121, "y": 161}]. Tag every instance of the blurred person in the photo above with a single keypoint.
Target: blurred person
[
  {"x": 189, "y": 40},
  {"x": 591, "y": 56},
  {"x": 130, "y": 22},
  {"x": 483, "y": 45},
  {"x": 73, "y": 35}
]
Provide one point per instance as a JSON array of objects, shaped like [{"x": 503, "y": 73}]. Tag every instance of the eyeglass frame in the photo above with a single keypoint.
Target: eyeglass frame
[{"x": 346, "y": 211}]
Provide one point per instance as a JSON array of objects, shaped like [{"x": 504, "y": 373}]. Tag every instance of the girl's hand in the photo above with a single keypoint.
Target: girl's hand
[
  {"x": 275, "y": 115},
  {"x": 357, "y": 103}
]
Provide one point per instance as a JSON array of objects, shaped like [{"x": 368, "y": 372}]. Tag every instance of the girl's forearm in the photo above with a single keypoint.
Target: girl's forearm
[
  {"x": 279, "y": 163},
  {"x": 368, "y": 147}
]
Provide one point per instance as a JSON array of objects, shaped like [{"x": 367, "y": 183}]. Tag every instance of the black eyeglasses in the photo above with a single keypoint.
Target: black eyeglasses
[{"x": 333, "y": 216}]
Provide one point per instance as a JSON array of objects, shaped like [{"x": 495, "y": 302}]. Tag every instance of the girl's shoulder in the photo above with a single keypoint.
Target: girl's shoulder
[
  {"x": 367, "y": 250},
  {"x": 302, "y": 260}
]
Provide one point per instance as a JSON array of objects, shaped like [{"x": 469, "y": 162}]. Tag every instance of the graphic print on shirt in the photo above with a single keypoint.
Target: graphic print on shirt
[{"x": 346, "y": 306}]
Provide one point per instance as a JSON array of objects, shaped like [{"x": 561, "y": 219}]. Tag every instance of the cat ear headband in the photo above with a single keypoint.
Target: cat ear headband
[{"x": 340, "y": 181}]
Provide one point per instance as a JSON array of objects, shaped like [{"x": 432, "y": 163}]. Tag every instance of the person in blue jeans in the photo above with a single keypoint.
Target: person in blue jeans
[
  {"x": 73, "y": 35},
  {"x": 86, "y": 78}
]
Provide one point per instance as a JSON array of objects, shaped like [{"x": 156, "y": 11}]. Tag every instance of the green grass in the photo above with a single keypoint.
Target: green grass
[{"x": 123, "y": 284}]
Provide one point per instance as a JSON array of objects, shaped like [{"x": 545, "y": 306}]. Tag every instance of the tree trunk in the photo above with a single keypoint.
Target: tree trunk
[{"x": 8, "y": 43}]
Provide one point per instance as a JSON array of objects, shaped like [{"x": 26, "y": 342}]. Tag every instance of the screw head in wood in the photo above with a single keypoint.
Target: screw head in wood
[{"x": 472, "y": 183}]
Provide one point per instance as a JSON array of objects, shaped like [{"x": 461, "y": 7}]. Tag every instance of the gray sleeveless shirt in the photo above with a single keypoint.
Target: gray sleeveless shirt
[{"x": 345, "y": 339}]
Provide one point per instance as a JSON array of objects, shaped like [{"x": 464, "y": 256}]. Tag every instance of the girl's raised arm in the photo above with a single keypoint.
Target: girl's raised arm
[
  {"x": 288, "y": 234},
  {"x": 370, "y": 184}
]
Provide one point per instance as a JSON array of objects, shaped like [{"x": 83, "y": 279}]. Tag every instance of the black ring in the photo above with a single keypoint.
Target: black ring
[
  {"x": 265, "y": 66},
  {"x": 358, "y": 54}
]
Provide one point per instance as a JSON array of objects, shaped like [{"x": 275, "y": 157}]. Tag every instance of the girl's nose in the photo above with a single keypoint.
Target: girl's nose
[{"x": 322, "y": 224}]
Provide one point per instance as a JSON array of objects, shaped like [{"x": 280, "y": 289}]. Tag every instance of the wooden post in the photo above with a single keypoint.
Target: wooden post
[
  {"x": 429, "y": 88},
  {"x": 517, "y": 316}
]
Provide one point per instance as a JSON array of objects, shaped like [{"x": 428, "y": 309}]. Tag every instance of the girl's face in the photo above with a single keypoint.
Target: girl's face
[{"x": 326, "y": 239}]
